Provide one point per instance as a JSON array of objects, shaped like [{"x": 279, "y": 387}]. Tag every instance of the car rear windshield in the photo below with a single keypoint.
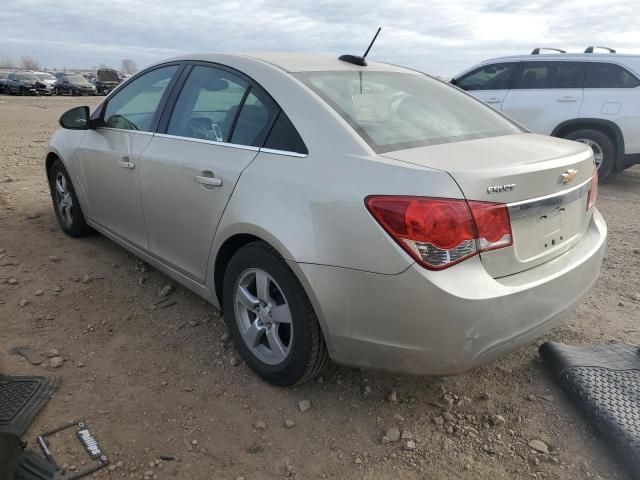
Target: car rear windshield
[{"x": 395, "y": 110}]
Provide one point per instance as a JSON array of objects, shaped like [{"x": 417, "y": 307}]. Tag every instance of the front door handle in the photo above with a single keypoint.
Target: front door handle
[
  {"x": 566, "y": 99},
  {"x": 208, "y": 178},
  {"x": 127, "y": 163},
  {"x": 494, "y": 100}
]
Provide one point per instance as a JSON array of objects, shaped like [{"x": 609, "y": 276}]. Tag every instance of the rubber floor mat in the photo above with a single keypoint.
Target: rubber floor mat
[
  {"x": 21, "y": 398},
  {"x": 604, "y": 381}
]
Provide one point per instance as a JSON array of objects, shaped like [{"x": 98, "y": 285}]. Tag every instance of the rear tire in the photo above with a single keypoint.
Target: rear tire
[
  {"x": 604, "y": 150},
  {"x": 306, "y": 353},
  {"x": 65, "y": 202}
]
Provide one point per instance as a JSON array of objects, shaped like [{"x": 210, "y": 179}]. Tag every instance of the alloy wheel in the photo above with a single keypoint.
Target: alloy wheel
[
  {"x": 263, "y": 316},
  {"x": 64, "y": 200},
  {"x": 598, "y": 153}
]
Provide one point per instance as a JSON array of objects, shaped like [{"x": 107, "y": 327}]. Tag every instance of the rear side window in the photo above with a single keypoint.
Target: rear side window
[
  {"x": 253, "y": 122},
  {"x": 217, "y": 105},
  {"x": 285, "y": 137},
  {"x": 540, "y": 75},
  {"x": 208, "y": 105},
  {"x": 496, "y": 76},
  {"x": 608, "y": 75}
]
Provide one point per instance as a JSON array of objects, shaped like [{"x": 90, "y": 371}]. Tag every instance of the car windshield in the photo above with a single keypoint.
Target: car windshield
[
  {"x": 44, "y": 76},
  {"x": 25, "y": 76},
  {"x": 76, "y": 79},
  {"x": 395, "y": 110}
]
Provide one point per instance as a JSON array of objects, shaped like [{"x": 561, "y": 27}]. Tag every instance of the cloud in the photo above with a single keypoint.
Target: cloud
[{"x": 437, "y": 36}]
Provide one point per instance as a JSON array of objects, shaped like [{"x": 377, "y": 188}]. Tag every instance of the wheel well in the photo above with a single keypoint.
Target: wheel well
[
  {"x": 610, "y": 129},
  {"x": 51, "y": 157},
  {"x": 567, "y": 129},
  {"x": 227, "y": 250}
]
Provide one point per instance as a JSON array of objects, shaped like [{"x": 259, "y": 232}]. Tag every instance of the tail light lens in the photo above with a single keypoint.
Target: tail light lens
[
  {"x": 440, "y": 232},
  {"x": 593, "y": 191}
]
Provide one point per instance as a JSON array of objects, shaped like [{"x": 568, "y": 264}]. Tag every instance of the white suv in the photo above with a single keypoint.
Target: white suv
[{"x": 589, "y": 97}]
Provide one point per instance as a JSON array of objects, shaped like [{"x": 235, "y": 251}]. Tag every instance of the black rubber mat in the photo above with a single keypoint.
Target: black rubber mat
[
  {"x": 17, "y": 463},
  {"x": 21, "y": 398},
  {"x": 604, "y": 381}
]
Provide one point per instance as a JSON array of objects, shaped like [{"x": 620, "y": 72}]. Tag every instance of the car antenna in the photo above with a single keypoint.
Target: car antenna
[{"x": 355, "y": 59}]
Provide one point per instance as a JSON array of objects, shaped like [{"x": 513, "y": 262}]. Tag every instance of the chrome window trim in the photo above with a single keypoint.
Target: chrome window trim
[
  {"x": 209, "y": 142},
  {"x": 540, "y": 204},
  {"x": 139, "y": 132},
  {"x": 283, "y": 152}
]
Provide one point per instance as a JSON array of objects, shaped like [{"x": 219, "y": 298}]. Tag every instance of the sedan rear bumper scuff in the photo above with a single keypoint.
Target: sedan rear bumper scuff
[{"x": 447, "y": 322}]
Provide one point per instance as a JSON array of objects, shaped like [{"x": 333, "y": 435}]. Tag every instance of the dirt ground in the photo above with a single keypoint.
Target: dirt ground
[{"x": 156, "y": 382}]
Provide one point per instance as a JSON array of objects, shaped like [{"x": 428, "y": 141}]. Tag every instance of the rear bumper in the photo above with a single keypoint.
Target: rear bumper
[{"x": 442, "y": 323}]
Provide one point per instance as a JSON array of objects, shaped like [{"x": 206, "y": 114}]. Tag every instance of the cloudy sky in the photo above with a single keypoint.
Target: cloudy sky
[{"x": 437, "y": 36}]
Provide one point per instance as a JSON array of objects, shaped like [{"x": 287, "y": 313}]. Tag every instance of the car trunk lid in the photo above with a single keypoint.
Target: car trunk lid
[{"x": 543, "y": 180}]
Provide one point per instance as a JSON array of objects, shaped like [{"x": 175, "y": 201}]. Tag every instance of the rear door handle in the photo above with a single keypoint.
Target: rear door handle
[
  {"x": 127, "y": 163},
  {"x": 207, "y": 178},
  {"x": 494, "y": 100},
  {"x": 566, "y": 99}
]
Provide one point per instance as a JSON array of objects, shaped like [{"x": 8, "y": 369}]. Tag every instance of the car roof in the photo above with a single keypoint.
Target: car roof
[
  {"x": 296, "y": 62},
  {"x": 582, "y": 57}
]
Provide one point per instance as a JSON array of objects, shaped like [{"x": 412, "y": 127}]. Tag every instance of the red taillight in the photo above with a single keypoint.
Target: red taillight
[
  {"x": 440, "y": 232},
  {"x": 593, "y": 190}
]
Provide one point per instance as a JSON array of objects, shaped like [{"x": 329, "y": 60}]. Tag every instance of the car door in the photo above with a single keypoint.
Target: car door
[
  {"x": 109, "y": 156},
  {"x": 490, "y": 83},
  {"x": 611, "y": 92},
  {"x": 545, "y": 94},
  {"x": 11, "y": 83},
  {"x": 213, "y": 132}
]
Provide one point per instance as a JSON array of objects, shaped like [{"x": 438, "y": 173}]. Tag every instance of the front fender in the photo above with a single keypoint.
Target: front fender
[{"x": 63, "y": 145}]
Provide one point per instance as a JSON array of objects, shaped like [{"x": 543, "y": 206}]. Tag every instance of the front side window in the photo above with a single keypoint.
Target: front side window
[
  {"x": 541, "y": 75},
  {"x": 608, "y": 75},
  {"x": 397, "y": 110},
  {"x": 217, "y": 105},
  {"x": 134, "y": 106},
  {"x": 496, "y": 76}
]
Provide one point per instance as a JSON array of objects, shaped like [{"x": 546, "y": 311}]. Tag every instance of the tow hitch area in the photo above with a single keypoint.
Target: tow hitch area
[{"x": 87, "y": 440}]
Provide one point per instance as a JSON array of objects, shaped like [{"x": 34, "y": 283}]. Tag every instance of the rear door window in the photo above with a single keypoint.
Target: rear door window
[
  {"x": 218, "y": 105},
  {"x": 608, "y": 75},
  {"x": 496, "y": 76},
  {"x": 547, "y": 75}
]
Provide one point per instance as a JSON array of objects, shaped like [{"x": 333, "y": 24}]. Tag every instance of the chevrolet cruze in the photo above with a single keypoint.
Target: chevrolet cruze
[{"x": 368, "y": 214}]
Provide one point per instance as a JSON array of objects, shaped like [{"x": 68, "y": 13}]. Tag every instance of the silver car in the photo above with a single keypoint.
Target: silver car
[{"x": 372, "y": 215}]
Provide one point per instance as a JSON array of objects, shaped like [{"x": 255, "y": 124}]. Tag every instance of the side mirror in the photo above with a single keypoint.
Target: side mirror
[{"x": 77, "y": 118}]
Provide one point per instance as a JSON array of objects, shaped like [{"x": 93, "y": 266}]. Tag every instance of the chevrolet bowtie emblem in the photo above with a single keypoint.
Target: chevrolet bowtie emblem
[{"x": 568, "y": 176}]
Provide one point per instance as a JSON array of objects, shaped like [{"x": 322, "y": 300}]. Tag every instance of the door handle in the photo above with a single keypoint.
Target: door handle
[
  {"x": 566, "y": 99},
  {"x": 207, "y": 178},
  {"x": 494, "y": 100},
  {"x": 127, "y": 163}
]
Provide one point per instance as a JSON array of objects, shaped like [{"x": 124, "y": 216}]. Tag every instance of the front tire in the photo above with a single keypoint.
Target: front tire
[
  {"x": 270, "y": 317},
  {"x": 604, "y": 150},
  {"x": 65, "y": 202}
]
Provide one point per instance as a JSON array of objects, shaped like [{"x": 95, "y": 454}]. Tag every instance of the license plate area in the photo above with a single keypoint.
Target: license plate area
[{"x": 551, "y": 228}]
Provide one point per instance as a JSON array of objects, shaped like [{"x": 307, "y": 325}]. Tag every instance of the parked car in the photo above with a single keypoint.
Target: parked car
[
  {"x": 25, "y": 83},
  {"x": 3, "y": 81},
  {"x": 73, "y": 84},
  {"x": 588, "y": 97},
  {"x": 48, "y": 79},
  {"x": 369, "y": 214},
  {"x": 106, "y": 80}
]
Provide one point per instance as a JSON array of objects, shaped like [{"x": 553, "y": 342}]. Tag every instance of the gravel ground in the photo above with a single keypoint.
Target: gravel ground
[{"x": 158, "y": 382}]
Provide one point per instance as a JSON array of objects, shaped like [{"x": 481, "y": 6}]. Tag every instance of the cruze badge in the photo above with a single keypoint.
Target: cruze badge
[
  {"x": 502, "y": 188},
  {"x": 568, "y": 176}
]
